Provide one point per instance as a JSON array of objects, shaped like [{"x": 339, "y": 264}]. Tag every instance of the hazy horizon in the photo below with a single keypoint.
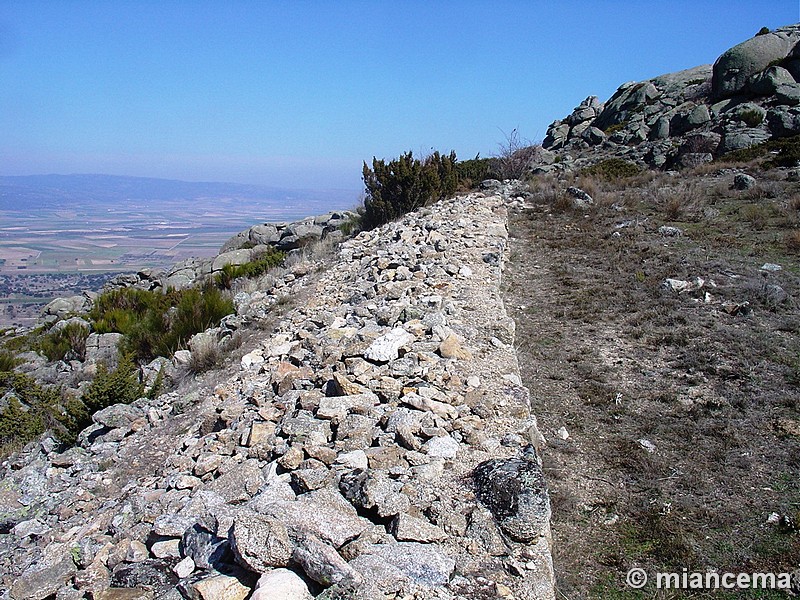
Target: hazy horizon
[{"x": 178, "y": 180}]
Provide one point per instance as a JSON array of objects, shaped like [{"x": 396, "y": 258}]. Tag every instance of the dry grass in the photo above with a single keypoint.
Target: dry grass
[
  {"x": 207, "y": 354},
  {"x": 615, "y": 358},
  {"x": 792, "y": 241}
]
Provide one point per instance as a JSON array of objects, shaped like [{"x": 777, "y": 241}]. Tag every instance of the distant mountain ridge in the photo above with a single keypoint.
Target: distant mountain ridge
[{"x": 38, "y": 191}]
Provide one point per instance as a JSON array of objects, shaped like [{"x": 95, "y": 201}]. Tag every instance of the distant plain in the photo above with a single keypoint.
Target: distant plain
[{"x": 55, "y": 227}]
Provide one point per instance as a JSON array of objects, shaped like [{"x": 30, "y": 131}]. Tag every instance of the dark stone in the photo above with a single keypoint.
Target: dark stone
[
  {"x": 515, "y": 492},
  {"x": 742, "y": 181},
  {"x": 153, "y": 573},
  {"x": 206, "y": 549}
]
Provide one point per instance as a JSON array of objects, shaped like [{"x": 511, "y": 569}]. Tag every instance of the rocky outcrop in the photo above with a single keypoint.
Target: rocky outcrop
[
  {"x": 365, "y": 449},
  {"x": 290, "y": 236},
  {"x": 740, "y": 69},
  {"x": 751, "y": 94},
  {"x": 241, "y": 248}
]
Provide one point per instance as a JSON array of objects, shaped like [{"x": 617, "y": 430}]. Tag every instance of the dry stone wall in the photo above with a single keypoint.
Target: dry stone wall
[{"x": 378, "y": 444}]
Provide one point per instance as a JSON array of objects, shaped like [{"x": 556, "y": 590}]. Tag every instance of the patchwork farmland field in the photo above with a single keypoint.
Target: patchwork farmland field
[
  {"x": 127, "y": 238},
  {"x": 55, "y": 245}
]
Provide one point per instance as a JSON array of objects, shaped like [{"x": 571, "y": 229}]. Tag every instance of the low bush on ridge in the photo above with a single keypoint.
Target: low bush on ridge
[
  {"x": 31, "y": 409},
  {"x": 155, "y": 323},
  {"x": 255, "y": 268},
  {"x": 66, "y": 343},
  {"x": 785, "y": 152},
  {"x": 612, "y": 169},
  {"x": 406, "y": 184}
]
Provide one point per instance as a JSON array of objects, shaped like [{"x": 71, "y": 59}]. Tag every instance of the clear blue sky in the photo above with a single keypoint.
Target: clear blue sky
[{"x": 299, "y": 93}]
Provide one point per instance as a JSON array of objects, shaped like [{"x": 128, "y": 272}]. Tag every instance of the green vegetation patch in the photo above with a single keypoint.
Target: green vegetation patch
[
  {"x": 255, "y": 268},
  {"x": 612, "y": 129},
  {"x": 7, "y": 361},
  {"x": 751, "y": 117},
  {"x": 475, "y": 170},
  {"x": 29, "y": 409},
  {"x": 613, "y": 169},
  {"x": 114, "y": 387},
  {"x": 785, "y": 151},
  {"x": 406, "y": 184},
  {"x": 67, "y": 343},
  {"x": 156, "y": 324}
]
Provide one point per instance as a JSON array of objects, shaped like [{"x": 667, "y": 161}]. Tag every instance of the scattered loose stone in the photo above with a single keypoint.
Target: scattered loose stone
[
  {"x": 339, "y": 448},
  {"x": 281, "y": 584}
]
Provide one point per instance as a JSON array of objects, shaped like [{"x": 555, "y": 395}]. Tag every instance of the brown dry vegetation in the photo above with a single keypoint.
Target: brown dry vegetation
[{"x": 712, "y": 382}]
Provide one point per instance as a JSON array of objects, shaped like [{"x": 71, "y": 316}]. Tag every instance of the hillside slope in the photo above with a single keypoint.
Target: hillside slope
[{"x": 341, "y": 457}]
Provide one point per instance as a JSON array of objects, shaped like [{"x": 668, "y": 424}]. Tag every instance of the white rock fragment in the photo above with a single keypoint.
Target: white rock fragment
[
  {"x": 473, "y": 381},
  {"x": 442, "y": 446},
  {"x": 252, "y": 359},
  {"x": 648, "y": 446},
  {"x": 357, "y": 459},
  {"x": 184, "y": 568},
  {"x": 281, "y": 584},
  {"x": 386, "y": 348}
]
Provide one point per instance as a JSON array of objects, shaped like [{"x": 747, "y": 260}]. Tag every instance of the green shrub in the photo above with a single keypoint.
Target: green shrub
[
  {"x": 197, "y": 310},
  {"x": 351, "y": 226},
  {"x": 68, "y": 343},
  {"x": 473, "y": 171},
  {"x": 156, "y": 324},
  {"x": 745, "y": 154},
  {"x": 405, "y": 184},
  {"x": 751, "y": 117},
  {"x": 788, "y": 150},
  {"x": 158, "y": 385},
  {"x": 785, "y": 152},
  {"x": 612, "y": 129},
  {"x": 613, "y": 169},
  {"x": 113, "y": 387},
  {"x": 763, "y": 31},
  {"x": 7, "y": 361},
  {"x": 255, "y": 268},
  {"x": 30, "y": 410}
]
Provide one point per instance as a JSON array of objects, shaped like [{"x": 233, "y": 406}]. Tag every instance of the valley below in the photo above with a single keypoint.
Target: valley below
[{"x": 58, "y": 238}]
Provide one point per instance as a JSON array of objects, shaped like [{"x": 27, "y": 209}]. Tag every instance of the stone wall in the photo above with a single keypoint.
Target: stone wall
[{"x": 377, "y": 444}]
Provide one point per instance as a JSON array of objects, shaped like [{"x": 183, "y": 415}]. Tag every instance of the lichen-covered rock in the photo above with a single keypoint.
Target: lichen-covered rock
[
  {"x": 322, "y": 563},
  {"x": 404, "y": 565},
  {"x": 42, "y": 583},
  {"x": 514, "y": 490},
  {"x": 260, "y": 542}
]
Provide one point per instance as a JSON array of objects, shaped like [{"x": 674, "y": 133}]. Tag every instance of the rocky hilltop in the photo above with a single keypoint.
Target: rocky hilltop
[
  {"x": 378, "y": 443},
  {"x": 749, "y": 95}
]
